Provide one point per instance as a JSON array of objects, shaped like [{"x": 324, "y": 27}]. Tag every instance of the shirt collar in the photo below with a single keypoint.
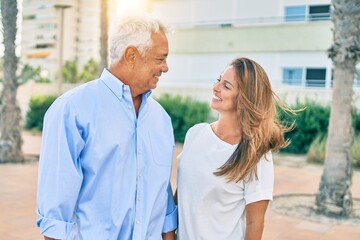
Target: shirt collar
[
  {"x": 117, "y": 86},
  {"x": 114, "y": 84}
]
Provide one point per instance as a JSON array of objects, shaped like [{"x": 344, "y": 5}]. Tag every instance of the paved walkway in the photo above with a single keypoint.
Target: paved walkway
[{"x": 18, "y": 196}]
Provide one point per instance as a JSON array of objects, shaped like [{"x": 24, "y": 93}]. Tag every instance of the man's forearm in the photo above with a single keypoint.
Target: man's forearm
[{"x": 46, "y": 238}]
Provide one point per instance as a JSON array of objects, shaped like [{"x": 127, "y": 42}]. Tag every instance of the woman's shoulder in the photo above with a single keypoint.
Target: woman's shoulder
[
  {"x": 199, "y": 126},
  {"x": 196, "y": 130}
]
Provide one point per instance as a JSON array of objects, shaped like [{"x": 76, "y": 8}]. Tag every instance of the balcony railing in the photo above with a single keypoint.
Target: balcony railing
[{"x": 253, "y": 21}]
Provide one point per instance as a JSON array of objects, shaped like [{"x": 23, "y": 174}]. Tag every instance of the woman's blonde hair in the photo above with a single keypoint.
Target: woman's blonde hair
[{"x": 260, "y": 129}]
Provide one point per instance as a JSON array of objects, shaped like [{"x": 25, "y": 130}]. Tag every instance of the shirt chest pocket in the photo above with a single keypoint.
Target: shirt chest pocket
[{"x": 162, "y": 149}]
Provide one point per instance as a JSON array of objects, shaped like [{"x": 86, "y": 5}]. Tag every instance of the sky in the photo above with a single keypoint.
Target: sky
[
  {"x": 125, "y": 5},
  {"x": 122, "y": 6}
]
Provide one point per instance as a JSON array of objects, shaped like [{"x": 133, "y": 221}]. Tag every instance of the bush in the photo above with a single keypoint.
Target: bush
[
  {"x": 32, "y": 73},
  {"x": 184, "y": 113},
  {"x": 316, "y": 153},
  {"x": 355, "y": 152},
  {"x": 317, "y": 150},
  {"x": 309, "y": 123},
  {"x": 356, "y": 121},
  {"x": 37, "y": 107}
]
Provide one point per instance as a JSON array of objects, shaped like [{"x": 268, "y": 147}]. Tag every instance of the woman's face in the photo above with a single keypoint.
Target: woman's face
[{"x": 225, "y": 92}]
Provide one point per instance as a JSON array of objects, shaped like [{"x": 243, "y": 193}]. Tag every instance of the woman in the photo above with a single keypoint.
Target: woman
[{"x": 225, "y": 174}]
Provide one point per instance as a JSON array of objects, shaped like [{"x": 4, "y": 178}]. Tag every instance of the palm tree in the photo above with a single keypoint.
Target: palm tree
[
  {"x": 104, "y": 35},
  {"x": 10, "y": 140},
  {"x": 334, "y": 196}
]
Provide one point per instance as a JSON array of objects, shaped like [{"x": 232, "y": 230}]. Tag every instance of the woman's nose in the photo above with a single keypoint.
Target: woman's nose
[{"x": 216, "y": 86}]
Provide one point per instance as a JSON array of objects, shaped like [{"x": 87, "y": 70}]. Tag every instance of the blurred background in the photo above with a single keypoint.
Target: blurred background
[
  {"x": 289, "y": 38},
  {"x": 61, "y": 44}
]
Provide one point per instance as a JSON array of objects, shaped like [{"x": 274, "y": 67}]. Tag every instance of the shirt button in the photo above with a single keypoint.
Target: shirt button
[
  {"x": 129, "y": 107},
  {"x": 139, "y": 152},
  {"x": 137, "y": 221},
  {"x": 139, "y": 199},
  {"x": 125, "y": 88}
]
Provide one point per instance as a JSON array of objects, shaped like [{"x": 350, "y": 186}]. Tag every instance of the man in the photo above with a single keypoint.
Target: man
[{"x": 107, "y": 148}]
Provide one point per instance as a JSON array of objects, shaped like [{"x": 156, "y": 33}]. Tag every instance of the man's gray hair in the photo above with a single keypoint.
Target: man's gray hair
[{"x": 133, "y": 30}]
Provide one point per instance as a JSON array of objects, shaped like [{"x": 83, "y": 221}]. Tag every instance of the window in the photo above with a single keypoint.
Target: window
[
  {"x": 295, "y": 13},
  {"x": 357, "y": 78},
  {"x": 307, "y": 13},
  {"x": 47, "y": 26},
  {"x": 292, "y": 76},
  {"x": 45, "y": 5},
  {"x": 315, "y": 77},
  {"x": 45, "y": 45},
  {"x": 319, "y": 12},
  {"x": 307, "y": 77},
  {"x": 29, "y": 17}
]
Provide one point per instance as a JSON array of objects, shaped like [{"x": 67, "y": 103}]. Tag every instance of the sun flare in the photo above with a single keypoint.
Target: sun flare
[{"x": 124, "y": 6}]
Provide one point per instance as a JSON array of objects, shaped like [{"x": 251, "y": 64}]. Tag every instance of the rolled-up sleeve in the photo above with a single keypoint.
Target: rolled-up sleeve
[
  {"x": 171, "y": 218},
  {"x": 60, "y": 175}
]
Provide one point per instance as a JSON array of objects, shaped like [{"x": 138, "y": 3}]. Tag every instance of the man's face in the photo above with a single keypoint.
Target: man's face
[{"x": 150, "y": 67}]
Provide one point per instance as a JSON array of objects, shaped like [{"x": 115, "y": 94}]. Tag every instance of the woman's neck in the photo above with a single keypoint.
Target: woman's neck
[{"x": 227, "y": 128}]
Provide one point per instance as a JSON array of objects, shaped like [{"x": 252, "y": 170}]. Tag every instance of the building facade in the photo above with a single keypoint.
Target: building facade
[
  {"x": 41, "y": 32},
  {"x": 289, "y": 38}
]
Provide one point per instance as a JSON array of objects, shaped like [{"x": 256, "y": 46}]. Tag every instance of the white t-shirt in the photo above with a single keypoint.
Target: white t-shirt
[{"x": 211, "y": 208}]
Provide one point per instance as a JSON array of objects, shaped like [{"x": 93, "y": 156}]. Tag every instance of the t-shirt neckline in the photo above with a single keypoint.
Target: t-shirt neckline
[{"x": 217, "y": 138}]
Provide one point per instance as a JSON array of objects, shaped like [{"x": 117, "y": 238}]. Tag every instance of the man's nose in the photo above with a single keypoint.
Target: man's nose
[{"x": 165, "y": 67}]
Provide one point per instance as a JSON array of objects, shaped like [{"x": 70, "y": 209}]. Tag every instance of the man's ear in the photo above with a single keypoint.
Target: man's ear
[{"x": 130, "y": 55}]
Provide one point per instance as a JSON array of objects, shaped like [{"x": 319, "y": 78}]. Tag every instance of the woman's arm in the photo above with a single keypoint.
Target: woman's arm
[
  {"x": 255, "y": 215},
  {"x": 175, "y": 197},
  {"x": 169, "y": 236}
]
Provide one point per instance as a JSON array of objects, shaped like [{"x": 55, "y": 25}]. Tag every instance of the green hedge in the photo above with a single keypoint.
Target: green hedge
[
  {"x": 184, "y": 113},
  {"x": 356, "y": 120},
  {"x": 37, "y": 107},
  {"x": 310, "y": 123},
  {"x": 317, "y": 151}
]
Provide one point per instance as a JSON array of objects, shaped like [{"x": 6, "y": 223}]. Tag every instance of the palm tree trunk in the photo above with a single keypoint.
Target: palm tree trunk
[
  {"x": 10, "y": 140},
  {"x": 104, "y": 35},
  {"x": 334, "y": 196}
]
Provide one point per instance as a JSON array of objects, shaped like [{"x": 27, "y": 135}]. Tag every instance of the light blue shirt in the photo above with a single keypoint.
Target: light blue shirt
[{"x": 103, "y": 172}]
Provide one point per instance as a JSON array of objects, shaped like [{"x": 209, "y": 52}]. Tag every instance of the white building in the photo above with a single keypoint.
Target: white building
[
  {"x": 289, "y": 38},
  {"x": 41, "y": 32}
]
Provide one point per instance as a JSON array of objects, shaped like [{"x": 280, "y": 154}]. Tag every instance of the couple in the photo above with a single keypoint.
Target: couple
[{"x": 107, "y": 150}]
